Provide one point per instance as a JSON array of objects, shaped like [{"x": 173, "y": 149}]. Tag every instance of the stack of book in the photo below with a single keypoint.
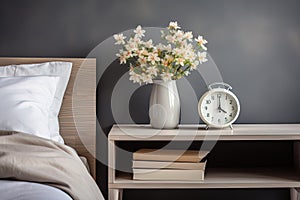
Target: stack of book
[{"x": 168, "y": 165}]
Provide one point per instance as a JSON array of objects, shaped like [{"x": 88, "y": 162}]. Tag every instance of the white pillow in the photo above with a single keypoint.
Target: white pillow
[
  {"x": 25, "y": 104},
  {"x": 7, "y": 71},
  {"x": 60, "y": 69}
]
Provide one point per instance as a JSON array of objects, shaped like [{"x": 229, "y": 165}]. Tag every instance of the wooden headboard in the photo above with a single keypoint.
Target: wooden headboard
[{"x": 81, "y": 95}]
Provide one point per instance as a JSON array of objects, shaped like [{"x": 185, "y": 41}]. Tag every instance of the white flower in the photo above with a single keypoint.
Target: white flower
[
  {"x": 166, "y": 76},
  {"x": 149, "y": 44},
  {"x": 155, "y": 50},
  {"x": 185, "y": 52},
  {"x": 147, "y": 78},
  {"x": 165, "y": 62},
  {"x": 180, "y": 61},
  {"x": 201, "y": 41},
  {"x": 186, "y": 73},
  {"x": 137, "y": 40},
  {"x": 178, "y": 51},
  {"x": 153, "y": 57},
  {"x": 160, "y": 47},
  {"x": 122, "y": 57},
  {"x": 183, "y": 43},
  {"x": 152, "y": 71},
  {"x": 139, "y": 31},
  {"x": 142, "y": 52},
  {"x": 131, "y": 46},
  {"x": 169, "y": 58},
  {"x": 202, "y": 57},
  {"x": 188, "y": 36},
  {"x": 189, "y": 54},
  {"x": 189, "y": 47},
  {"x": 134, "y": 77},
  {"x": 179, "y": 35},
  {"x": 173, "y": 25},
  {"x": 168, "y": 47},
  {"x": 170, "y": 38},
  {"x": 142, "y": 61},
  {"x": 128, "y": 54},
  {"x": 122, "y": 60},
  {"x": 163, "y": 47},
  {"x": 194, "y": 65},
  {"x": 119, "y": 38}
]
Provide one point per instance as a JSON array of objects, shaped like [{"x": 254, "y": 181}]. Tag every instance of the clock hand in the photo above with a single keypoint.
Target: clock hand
[
  {"x": 219, "y": 105},
  {"x": 222, "y": 110}
]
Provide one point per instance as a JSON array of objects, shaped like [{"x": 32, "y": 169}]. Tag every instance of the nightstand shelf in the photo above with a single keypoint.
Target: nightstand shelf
[
  {"x": 220, "y": 178},
  {"x": 214, "y": 178}
]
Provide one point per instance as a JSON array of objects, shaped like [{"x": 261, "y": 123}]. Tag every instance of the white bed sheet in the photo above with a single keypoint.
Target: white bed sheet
[{"x": 21, "y": 190}]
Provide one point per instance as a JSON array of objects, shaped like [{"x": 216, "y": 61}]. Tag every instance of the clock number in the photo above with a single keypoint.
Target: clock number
[
  {"x": 205, "y": 107},
  {"x": 212, "y": 118},
  {"x": 226, "y": 119},
  {"x": 219, "y": 95},
  {"x": 212, "y": 97},
  {"x": 226, "y": 97},
  {"x": 230, "y": 101},
  {"x": 219, "y": 121},
  {"x": 230, "y": 115},
  {"x": 208, "y": 101},
  {"x": 232, "y": 107},
  {"x": 207, "y": 115}
]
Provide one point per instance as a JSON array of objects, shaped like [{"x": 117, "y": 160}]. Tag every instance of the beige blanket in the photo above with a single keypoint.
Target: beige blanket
[{"x": 30, "y": 158}]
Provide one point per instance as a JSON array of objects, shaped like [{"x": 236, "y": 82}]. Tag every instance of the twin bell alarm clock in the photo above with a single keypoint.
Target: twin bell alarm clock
[{"x": 219, "y": 107}]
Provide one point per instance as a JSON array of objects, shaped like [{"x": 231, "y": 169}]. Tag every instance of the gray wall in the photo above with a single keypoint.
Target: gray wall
[{"x": 256, "y": 45}]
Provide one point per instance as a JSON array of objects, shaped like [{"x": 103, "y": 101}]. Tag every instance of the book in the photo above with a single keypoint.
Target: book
[
  {"x": 168, "y": 175},
  {"x": 167, "y": 165},
  {"x": 169, "y": 155}
]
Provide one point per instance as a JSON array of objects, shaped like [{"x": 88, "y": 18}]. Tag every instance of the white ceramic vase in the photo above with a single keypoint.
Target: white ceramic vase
[{"x": 164, "y": 106}]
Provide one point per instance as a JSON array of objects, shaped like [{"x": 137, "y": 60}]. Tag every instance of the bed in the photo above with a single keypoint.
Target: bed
[{"x": 77, "y": 126}]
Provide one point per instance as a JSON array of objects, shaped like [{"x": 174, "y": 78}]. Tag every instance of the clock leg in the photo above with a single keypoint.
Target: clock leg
[
  {"x": 231, "y": 127},
  {"x": 207, "y": 127}
]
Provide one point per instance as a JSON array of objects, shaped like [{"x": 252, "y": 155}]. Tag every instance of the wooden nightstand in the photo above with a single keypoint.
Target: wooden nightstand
[{"x": 217, "y": 178}]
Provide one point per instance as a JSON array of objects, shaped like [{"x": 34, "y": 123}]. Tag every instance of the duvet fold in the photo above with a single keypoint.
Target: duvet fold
[{"x": 30, "y": 158}]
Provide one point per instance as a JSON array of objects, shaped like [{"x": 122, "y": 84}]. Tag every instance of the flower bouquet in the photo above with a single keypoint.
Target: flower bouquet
[{"x": 177, "y": 57}]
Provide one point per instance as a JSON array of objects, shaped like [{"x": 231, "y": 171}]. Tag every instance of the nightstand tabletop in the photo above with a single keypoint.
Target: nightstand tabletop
[{"x": 133, "y": 132}]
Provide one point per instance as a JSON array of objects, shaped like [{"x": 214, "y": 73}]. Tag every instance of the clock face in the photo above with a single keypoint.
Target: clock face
[{"x": 219, "y": 108}]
